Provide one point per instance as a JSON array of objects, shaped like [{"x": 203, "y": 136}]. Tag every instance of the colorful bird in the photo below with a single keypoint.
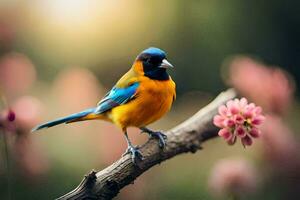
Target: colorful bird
[{"x": 141, "y": 96}]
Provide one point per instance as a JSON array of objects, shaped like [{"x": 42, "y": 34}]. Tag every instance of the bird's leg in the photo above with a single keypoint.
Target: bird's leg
[
  {"x": 134, "y": 151},
  {"x": 157, "y": 135}
]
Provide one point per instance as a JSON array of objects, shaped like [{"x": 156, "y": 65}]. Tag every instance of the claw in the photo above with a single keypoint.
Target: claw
[
  {"x": 161, "y": 138},
  {"x": 157, "y": 135},
  {"x": 135, "y": 153}
]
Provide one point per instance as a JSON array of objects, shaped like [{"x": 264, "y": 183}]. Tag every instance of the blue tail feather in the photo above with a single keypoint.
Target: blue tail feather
[{"x": 64, "y": 119}]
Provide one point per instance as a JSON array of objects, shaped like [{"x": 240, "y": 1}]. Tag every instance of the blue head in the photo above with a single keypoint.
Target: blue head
[{"x": 154, "y": 63}]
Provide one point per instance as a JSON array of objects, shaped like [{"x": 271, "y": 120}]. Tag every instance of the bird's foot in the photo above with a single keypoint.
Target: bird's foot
[
  {"x": 135, "y": 153},
  {"x": 161, "y": 137}
]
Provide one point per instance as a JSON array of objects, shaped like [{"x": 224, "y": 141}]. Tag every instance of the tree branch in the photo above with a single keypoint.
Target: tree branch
[{"x": 186, "y": 137}]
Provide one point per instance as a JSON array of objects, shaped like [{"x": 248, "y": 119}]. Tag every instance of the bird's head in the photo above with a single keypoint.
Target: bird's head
[{"x": 153, "y": 63}]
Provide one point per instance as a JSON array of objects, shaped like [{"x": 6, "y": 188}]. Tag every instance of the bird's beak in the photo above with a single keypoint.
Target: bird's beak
[{"x": 165, "y": 64}]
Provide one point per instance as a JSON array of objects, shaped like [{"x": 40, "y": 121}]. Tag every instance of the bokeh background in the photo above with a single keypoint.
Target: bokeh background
[{"x": 61, "y": 56}]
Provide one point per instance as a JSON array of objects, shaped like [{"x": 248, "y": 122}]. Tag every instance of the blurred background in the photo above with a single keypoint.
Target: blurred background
[{"x": 60, "y": 56}]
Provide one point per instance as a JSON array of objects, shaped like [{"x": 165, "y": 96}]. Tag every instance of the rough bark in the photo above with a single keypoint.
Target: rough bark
[{"x": 186, "y": 137}]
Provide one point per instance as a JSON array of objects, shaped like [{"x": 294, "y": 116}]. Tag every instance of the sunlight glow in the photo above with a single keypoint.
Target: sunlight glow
[{"x": 70, "y": 11}]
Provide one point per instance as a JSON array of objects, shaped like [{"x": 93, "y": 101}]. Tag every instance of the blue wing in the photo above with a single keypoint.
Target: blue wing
[{"x": 115, "y": 97}]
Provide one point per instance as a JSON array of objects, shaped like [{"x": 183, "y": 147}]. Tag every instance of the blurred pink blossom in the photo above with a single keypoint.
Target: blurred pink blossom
[
  {"x": 272, "y": 88},
  {"x": 29, "y": 157},
  {"x": 11, "y": 116},
  {"x": 29, "y": 111},
  {"x": 112, "y": 143},
  {"x": 239, "y": 119},
  {"x": 233, "y": 177},
  {"x": 280, "y": 147},
  {"x": 25, "y": 150},
  {"x": 76, "y": 89},
  {"x": 7, "y": 118},
  {"x": 17, "y": 74}
]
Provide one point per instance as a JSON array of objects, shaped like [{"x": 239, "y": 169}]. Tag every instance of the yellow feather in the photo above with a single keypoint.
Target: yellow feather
[
  {"x": 131, "y": 76},
  {"x": 154, "y": 98}
]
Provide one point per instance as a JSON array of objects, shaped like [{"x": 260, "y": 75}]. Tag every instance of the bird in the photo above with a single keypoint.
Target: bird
[{"x": 140, "y": 97}]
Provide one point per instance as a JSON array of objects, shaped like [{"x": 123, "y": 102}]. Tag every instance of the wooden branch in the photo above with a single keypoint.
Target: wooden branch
[{"x": 186, "y": 137}]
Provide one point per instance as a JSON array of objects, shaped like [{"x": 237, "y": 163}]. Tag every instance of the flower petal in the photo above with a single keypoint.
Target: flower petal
[
  {"x": 240, "y": 131},
  {"x": 243, "y": 102},
  {"x": 258, "y": 110},
  {"x": 257, "y": 120},
  {"x": 234, "y": 110},
  {"x": 233, "y": 107},
  {"x": 248, "y": 114},
  {"x": 251, "y": 105},
  {"x": 239, "y": 119},
  {"x": 223, "y": 110},
  {"x": 229, "y": 103},
  {"x": 225, "y": 133},
  {"x": 254, "y": 132},
  {"x": 232, "y": 140},
  {"x": 219, "y": 121},
  {"x": 246, "y": 141},
  {"x": 229, "y": 123},
  {"x": 11, "y": 116}
]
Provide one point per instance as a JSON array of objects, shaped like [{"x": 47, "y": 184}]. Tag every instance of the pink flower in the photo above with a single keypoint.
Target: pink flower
[
  {"x": 29, "y": 111},
  {"x": 270, "y": 87},
  {"x": 17, "y": 75},
  {"x": 25, "y": 150},
  {"x": 281, "y": 147},
  {"x": 11, "y": 116},
  {"x": 76, "y": 88},
  {"x": 7, "y": 120},
  {"x": 233, "y": 177},
  {"x": 238, "y": 119}
]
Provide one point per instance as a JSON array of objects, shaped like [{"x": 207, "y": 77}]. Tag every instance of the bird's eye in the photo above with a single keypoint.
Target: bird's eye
[{"x": 152, "y": 61}]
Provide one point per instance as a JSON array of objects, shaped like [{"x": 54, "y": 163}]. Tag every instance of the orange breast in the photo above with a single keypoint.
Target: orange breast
[{"x": 154, "y": 98}]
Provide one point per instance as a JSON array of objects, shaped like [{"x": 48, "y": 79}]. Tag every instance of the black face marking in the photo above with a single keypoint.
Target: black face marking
[{"x": 151, "y": 66}]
